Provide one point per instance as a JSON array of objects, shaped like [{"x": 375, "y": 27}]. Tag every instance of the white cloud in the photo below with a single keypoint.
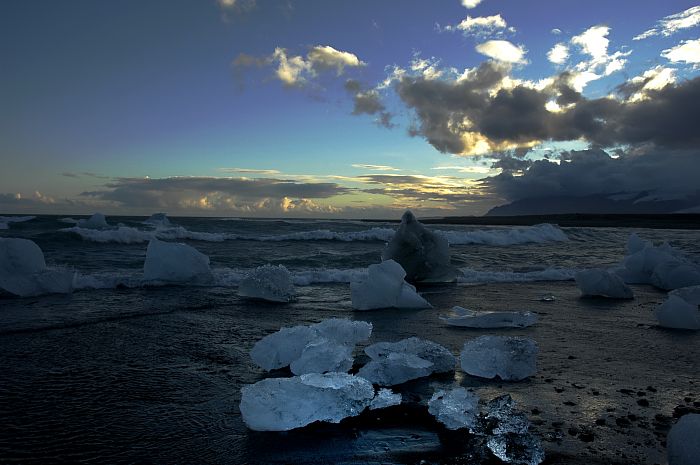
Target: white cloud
[
  {"x": 502, "y": 50},
  {"x": 428, "y": 68},
  {"x": 468, "y": 4},
  {"x": 652, "y": 79},
  {"x": 673, "y": 23},
  {"x": 687, "y": 51},
  {"x": 594, "y": 41},
  {"x": 326, "y": 57},
  {"x": 556, "y": 31},
  {"x": 558, "y": 54},
  {"x": 482, "y": 26},
  {"x": 374, "y": 167},
  {"x": 290, "y": 70}
]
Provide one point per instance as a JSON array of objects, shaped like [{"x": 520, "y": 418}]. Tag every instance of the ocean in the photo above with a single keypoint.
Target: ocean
[{"x": 123, "y": 371}]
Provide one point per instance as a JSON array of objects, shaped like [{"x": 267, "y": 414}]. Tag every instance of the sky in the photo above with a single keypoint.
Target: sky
[{"x": 323, "y": 108}]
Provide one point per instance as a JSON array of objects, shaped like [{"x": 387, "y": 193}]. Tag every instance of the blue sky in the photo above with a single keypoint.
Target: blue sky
[{"x": 100, "y": 98}]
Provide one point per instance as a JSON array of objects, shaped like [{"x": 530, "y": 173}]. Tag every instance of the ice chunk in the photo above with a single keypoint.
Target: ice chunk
[
  {"x": 385, "y": 288},
  {"x": 96, "y": 221},
  {"x": 282, "y": 404},
  {"x": 397, "y": 362},
  {"x": 325, "y": 346},
  {"x": 175, "y": 263},
  {"x": 423, "y": 254},
  {"x": 680, "y": 310},
  {"x": 385, "y": 398},
  {"x": 456, "y": 408},
  {"x": 268, "y": 282},
  {"x": 159, "y": 220},
  {"x": 599, "y": 282},
  {"x": 486, "y": 319},
  {"x": 23, "y": 270},
  {"x": 510, "y": 358},
  {"x": 508, "y": 433},
  {"x": 664, "y": 266},
  {"x": 683, "y": 442},
  {"x": 5, "y": 221}
]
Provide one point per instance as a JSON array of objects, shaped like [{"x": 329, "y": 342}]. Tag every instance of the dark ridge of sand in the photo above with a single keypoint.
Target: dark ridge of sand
[{"x": 666, "y": 221}]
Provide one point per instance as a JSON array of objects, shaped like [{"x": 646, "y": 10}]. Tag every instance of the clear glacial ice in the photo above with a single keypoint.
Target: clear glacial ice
[
  {"x": 510, "y": 358},
  {"x": 268, "y": 282},
  {"x": 455, "y": 408},
  {"x": 96, "y": 221},
  {"x": 489, "y": 319},
  {"x": 602, "y": 283},
  {"x": 385, "y": 287},
  {"x": 23, "y": 270},
  {"x": 172, "y": 262},
  {"x": 385, "y": 398},
  {"x": 680, "y": 310},
  {"x": 683, "y": 442}
]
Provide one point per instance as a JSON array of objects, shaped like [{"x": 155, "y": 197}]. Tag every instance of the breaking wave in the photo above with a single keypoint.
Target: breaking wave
[
  {"x": 531, "y": 234},
  {"x": 129, "y": 235}
]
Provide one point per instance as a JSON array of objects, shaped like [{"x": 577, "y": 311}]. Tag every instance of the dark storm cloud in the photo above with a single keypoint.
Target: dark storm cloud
[
  {"x": 189, "y": 190},
  {"x": 457, "y": 115},
  {"x": 368, "y": 102},
  {"x": 590, "y": 172}
]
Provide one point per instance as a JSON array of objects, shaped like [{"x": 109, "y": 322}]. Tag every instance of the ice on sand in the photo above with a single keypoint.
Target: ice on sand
[
  {"x": 268, "y": 282},
  {"x": 509, "y": 358},
  {"x": 282, "y": 404},
  {"x": 602, "y": 283},
  {"x": 683, "y": 442},
  {"x": 423, "y": 254},
  {"x": 508, "y": 433},
  {"x": 159, "y": 220},
  {"x": 456, "y": 408},
  {"x": 172, "y": 262},
  {"x": 23, "y": 270},
  {"x": 96, "y": 221},
  {"x": 397, "y": 362},
  {"x": 325, "y": 346},
  {"x": 680, "y": 310},
  {"x": 385, "y": 398},
  {"x": 385, "y": 287},
  {"x": 488, "y": 319},
  {"x": 663, "y": 266}
]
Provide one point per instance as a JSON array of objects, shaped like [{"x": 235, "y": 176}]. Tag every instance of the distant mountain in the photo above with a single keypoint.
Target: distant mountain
[{"x": 619, "y": 204}]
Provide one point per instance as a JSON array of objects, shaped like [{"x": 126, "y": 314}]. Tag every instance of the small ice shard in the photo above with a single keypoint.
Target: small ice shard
[
  {"x": 683, "y": 442},
  {"x": 508, "y": 433},
  {"x": 423, "y": 254},
  {"x": 397, "y": 362},
  {"x": 547, "y": 298},
  {"x": 602, "y": 283},
  {"x": 159, "y": 220},
  {"x": 23, "y": 270},
  {"x": 385, "y": 398},
  {"x": 680, "y": 310},
  {"x": 385, "y": 287},
  {"x": 172, "y": 262},
  {"x": 96, "y": 221},
  {"x": 456, "y": 408},
  {"x": 268, "y": 282},
  {"x": 325, "y": 346},
  {"x": 282, "y": 404},
  {"x": 663, "y": 266},
  {"x": 487, "y": 319},
  {"x": 510, "y": 358}
]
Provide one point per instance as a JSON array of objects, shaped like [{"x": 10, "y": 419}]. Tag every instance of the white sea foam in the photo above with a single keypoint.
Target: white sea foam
[
  {"x": 129, "y": 235},
  {"x": 531, "y": 234},
  {"x": 373, "y": 234}
]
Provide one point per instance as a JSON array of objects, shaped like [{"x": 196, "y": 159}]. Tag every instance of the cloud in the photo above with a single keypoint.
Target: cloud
[
  {"x": 368, "y": 102},
  {"x": 655, "y": 173},
  {"x": 558, "y": 54},
  {"x": 639, "y": 87},
  {"x": 673, "y": 23},
  {"x": 687, "y": 51},
  {"x": 297, "y": 70},
  {"x": 482, "y": 26},
  {"x": 502, "y": 50},
  {"x": 469, "y": 4},
  {"x": 594, "y": 42},
  {"x": 556, "y": 31},
  {"x": 374, "y": 167},
  {"x": 442, "y": 192},
  {"x": 249, "y": 171}
]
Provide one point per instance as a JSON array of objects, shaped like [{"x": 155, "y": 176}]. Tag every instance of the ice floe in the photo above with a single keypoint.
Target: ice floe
[
  {"x": 282, "y": 404},
  {"x": 508, "y": 357},
  {"x": 268, "y": 282},
  {"x": 456, "y": 408},
  {"x": 96, "y": 221},
  {"x": 489, "y": 319},
  {"x": 159, "y": 220},
  {"x": 23, "y": 270},
  {"x": 602, "y": 283},
  {"x": 385, "y": 398},
  {"x": 423, "y": 254},
  {"x": 172, "y": 262},
  {"x": 6, "y": 221},
  {"x": 680, "y": 310},
  {"x": 663, "y": 266},
  {"x": 397, "y": 362},
  {"x": 683, "y": 442},
  {"x": 322, "y": 347},
  {"x": 385, "y": 288}
]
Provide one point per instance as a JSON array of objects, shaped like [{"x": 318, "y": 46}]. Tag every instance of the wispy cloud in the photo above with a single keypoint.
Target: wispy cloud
[
  {"x": 673, "y": 23},
  {"x": 375, "y": 167},
  {"x": 249, "y": 171}
]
